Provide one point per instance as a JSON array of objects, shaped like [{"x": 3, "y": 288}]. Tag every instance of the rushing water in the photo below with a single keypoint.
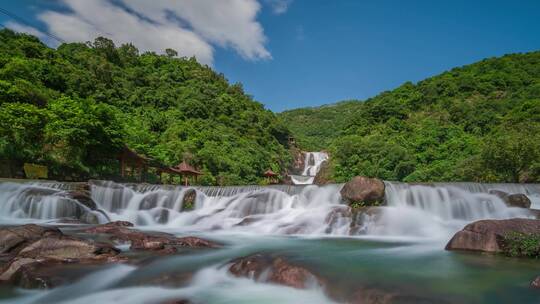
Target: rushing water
[
  {"x": 312, "y": 164},
  {"x": 397, "y": 248}
]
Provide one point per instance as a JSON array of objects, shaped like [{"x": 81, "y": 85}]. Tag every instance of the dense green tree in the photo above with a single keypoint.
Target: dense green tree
[
  {"x": 475, "y": 123},
  {"x": 84, "y": 101}
]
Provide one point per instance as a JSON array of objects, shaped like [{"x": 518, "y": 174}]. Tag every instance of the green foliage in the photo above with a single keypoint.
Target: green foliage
[
  {"x": 480, "y": 122},
  {"x": 74, "y": 108},
  {"x": 517, "y": 244}
]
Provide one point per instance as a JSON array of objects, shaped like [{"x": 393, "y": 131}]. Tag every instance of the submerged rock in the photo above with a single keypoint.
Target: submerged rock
[
  {"x": 488, "y": 235},
  {"x": 265, "y": 268},
  {"x": 536, "y": 282},
  {"x": 368, "y": 295},
  {"x": 363, "y": 191},
  {"x": 519, "y": 200}
]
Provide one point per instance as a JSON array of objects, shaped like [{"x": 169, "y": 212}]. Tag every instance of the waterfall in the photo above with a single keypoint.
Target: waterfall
[
  {"x": 40, "y": 201},
  {"x": 312, "y": 164},
  {"x": 439, "y": 210},
  {"x": 268, "y": 209},
  {"x": 433, "y": 211}
]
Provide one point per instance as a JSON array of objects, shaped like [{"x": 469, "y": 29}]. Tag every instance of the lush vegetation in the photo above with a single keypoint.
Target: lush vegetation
[
  {"x": 480, "y": 122},
  {"x": 74, "y": 108},
  {"x": 517, "y": 244}
]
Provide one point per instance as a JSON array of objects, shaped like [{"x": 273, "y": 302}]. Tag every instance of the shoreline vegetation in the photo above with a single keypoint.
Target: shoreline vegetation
[{"x": 74, "y": 108}]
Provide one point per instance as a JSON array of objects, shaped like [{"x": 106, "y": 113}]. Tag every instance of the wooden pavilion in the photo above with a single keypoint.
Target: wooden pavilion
[
  {"x": 186, "y": 171},
  {"x": 133, "y": 164}
]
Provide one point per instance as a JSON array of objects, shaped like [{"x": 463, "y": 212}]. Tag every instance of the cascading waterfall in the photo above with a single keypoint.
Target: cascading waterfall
[
  {"x": 437, "y": 211},
  {"x": 40, "y": 201},
  {"x": 432, "y": 211},
  {"x": 271, "y": 210},
  {"x": 312, "y": 165}
]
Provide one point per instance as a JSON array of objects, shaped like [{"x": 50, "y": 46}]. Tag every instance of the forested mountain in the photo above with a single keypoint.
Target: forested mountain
[
  {"x": 73, "y": 108},
  {"x": 480, "y": 122}
]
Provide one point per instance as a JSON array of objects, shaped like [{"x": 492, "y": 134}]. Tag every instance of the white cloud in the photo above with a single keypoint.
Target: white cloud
[
  {"x": 25, "y": 29},
  {"x": 279, "y": 6},
  {"x": 192, "y": 27},
  {"x": 227, "y": 23}
]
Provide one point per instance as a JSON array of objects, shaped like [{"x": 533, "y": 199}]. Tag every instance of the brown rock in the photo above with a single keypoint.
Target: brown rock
[
  {"x": 364, "y": 191},
  {"x": 148, "y": 241},
  {"x": 83, "y": 197},
  {"x": 13, "y": 237},
  {"x": 518, "y": 200},
  {"x": 487, "y": 235},
  {"x": 66, "y": 248},
  {"x": 513, "y": 200},
  {"x": 274, "y": 270}
]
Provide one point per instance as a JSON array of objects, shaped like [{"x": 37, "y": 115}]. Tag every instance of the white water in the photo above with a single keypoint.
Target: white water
[
  {"x": 31, "y": 202},
  {"x": 438, "y": 211},
  {"x": 312, "y": 165},
  {"x": 414, "y": 211}
]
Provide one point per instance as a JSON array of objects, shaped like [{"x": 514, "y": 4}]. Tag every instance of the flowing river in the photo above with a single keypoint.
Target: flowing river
[{"x": 398, "y": 248}]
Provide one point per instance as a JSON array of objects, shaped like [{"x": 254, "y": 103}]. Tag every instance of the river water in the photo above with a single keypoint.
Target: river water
[{"x": 398, "y": 248}]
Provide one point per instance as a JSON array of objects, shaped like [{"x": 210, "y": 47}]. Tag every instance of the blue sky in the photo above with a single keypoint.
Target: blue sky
[{"x": 296, "y": 53}]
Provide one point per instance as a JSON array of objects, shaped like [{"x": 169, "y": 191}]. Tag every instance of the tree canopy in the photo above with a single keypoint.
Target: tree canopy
[
  {"x": 480, "y": 122},
  {"x": 73, "y": 108}
]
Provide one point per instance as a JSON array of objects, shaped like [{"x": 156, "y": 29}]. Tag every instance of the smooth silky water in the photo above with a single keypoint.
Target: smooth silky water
[{"x": 399, "y": 249}]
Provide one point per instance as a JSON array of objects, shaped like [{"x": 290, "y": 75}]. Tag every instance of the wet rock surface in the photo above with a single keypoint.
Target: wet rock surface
[
  {"x": 266, "y": 268},
  {"x": 519, "y": 200},
  {"x": 120, "y": 231},
  {"x": 536, "y": 283},
  {"x": 34, "y": 256},
  {"x": 487, "y": 235},
  {"x": 364, "y": 191},
  {"x": 29, "y": 246}
]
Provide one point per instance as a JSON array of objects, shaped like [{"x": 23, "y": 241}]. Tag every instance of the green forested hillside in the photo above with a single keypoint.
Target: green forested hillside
[
  {"x": 75, "y": 107},
  {"x": 480, "y": 122}
]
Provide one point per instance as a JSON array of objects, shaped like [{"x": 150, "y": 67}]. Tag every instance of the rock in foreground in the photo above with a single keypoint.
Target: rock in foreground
[
  {"x": 488, "y": 235},
  {"x": 363, "y": 191},
  {"x": 148, "y": 241}
]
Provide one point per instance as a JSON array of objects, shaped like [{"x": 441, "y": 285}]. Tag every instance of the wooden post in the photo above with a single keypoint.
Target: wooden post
[{"x": 122, "y": 166}]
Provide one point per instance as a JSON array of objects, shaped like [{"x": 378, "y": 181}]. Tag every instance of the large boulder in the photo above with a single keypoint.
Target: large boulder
[
  {"x": 266, "y": 268},
  {"x": 519, "y": 200},
  {"x": 363, "y": 191},
  {"x": 488, "y": 235}
]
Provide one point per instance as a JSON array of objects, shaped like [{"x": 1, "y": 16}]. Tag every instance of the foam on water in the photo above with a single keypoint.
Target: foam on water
[{"x": 433, "y": 211}]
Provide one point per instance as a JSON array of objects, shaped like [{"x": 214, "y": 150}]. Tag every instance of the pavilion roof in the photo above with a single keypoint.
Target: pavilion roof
[
  {"x": 269, "y": 173},
  {"x": 185, "y": 168}
]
